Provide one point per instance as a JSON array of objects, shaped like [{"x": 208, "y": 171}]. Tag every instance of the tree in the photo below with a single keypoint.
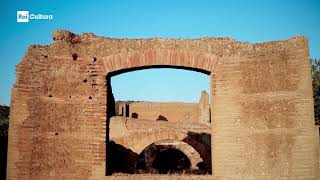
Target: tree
[{"x": 315, "y": 70}]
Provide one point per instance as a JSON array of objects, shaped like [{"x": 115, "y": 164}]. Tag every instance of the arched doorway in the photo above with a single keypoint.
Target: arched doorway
[
  {"x": 170, "y": 156},
  {"x": 125, "y": 111}
]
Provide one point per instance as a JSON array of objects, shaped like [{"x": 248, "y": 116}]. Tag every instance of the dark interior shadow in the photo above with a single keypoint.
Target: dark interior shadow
[
  {"x": 162, "y": 118},
  {"x": 4, "y": 125},
  {"x": 122, "y": 160},
  {"x": 162, "y": 159},
  {"x": 201, "y": 142},
  {"x": 135, "y": 115},
  {"x": 3, "y": 156},
  {"x": 109, "y": 113},
  {"x": 171, "y": 161}
]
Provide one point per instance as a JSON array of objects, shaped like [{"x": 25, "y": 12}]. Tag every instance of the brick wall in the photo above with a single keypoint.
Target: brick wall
[{"x": 261, "y": 102}]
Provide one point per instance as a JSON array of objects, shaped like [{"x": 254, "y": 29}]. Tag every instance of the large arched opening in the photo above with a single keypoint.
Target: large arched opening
[{"x": 119, "y": 115}]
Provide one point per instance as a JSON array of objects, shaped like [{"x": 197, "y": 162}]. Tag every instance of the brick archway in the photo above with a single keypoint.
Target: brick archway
[
  {"x": 160, "y": 57},
  {"x": 145, "y": 139},
  {"x": 154, "y": 58},
  {"x": 136, "y": 136},
  {"x": 262, "y": 106},
  {"x": 152, "y": 149}
]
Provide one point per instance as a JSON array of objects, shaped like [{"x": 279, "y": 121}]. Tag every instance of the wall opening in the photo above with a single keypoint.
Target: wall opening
[
  {"x": 170, "y": 157},
  {"x": 171, "y": 161},
  {"x": 153, "y": 107}
]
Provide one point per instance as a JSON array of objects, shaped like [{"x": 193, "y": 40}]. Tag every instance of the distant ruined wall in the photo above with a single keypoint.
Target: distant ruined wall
[
  {"x": 139, "y": 134},
  {"x": 173, "y": 112},
  {"x": 204, "y": 108},
  {"x": 168, "y": 111},
  {"x": 261, "y": 104}
]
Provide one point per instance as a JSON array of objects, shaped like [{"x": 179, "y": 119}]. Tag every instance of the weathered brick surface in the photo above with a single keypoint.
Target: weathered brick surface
[
  {"x": 168, "y": 111},
  {"x": 261, "y": 102},
  {"x": 138, "y": 134}
]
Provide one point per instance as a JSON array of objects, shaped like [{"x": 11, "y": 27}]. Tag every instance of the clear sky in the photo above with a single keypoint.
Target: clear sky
[{"x": 245, "y": 20}]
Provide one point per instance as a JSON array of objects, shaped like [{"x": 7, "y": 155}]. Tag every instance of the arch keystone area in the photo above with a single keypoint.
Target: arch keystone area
[
  {"x": 160, "y": 57},
  {"x": 261, "y": 104}
]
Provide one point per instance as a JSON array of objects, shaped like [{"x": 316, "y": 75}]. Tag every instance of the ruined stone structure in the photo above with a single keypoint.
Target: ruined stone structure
[
  {"x": 136, "y": 135},
  {"x": 168, "y": 111},
  {"x": 139, "y": 143},
  {"x": 261, "y": 105}
]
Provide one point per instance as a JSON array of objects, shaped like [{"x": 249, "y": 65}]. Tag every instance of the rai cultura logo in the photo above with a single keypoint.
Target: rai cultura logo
[{"x": 26, "y": 16}]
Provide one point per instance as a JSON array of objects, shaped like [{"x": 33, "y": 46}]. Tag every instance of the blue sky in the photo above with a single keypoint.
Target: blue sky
[{"x": 246, "y": 20}]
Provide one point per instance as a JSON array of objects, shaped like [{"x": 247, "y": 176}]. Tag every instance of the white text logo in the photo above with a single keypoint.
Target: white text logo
[{"x": 23, "y": 16}]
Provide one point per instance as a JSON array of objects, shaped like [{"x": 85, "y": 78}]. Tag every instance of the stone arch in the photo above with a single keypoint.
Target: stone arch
[
  {"x": 152, "y": 150},
  {"x": 158, "y": 137},
  {"x": 143, "y": 59},
  {"x": 144, "y": 139},
  {"x": 137, "y": 135}
]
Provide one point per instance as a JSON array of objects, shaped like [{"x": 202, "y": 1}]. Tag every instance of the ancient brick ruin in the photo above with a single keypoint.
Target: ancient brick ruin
[
  {"x": 142, "y": 131},
  {"x": 168, "y": 111},
  {"x": 261, "y": 108}
]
